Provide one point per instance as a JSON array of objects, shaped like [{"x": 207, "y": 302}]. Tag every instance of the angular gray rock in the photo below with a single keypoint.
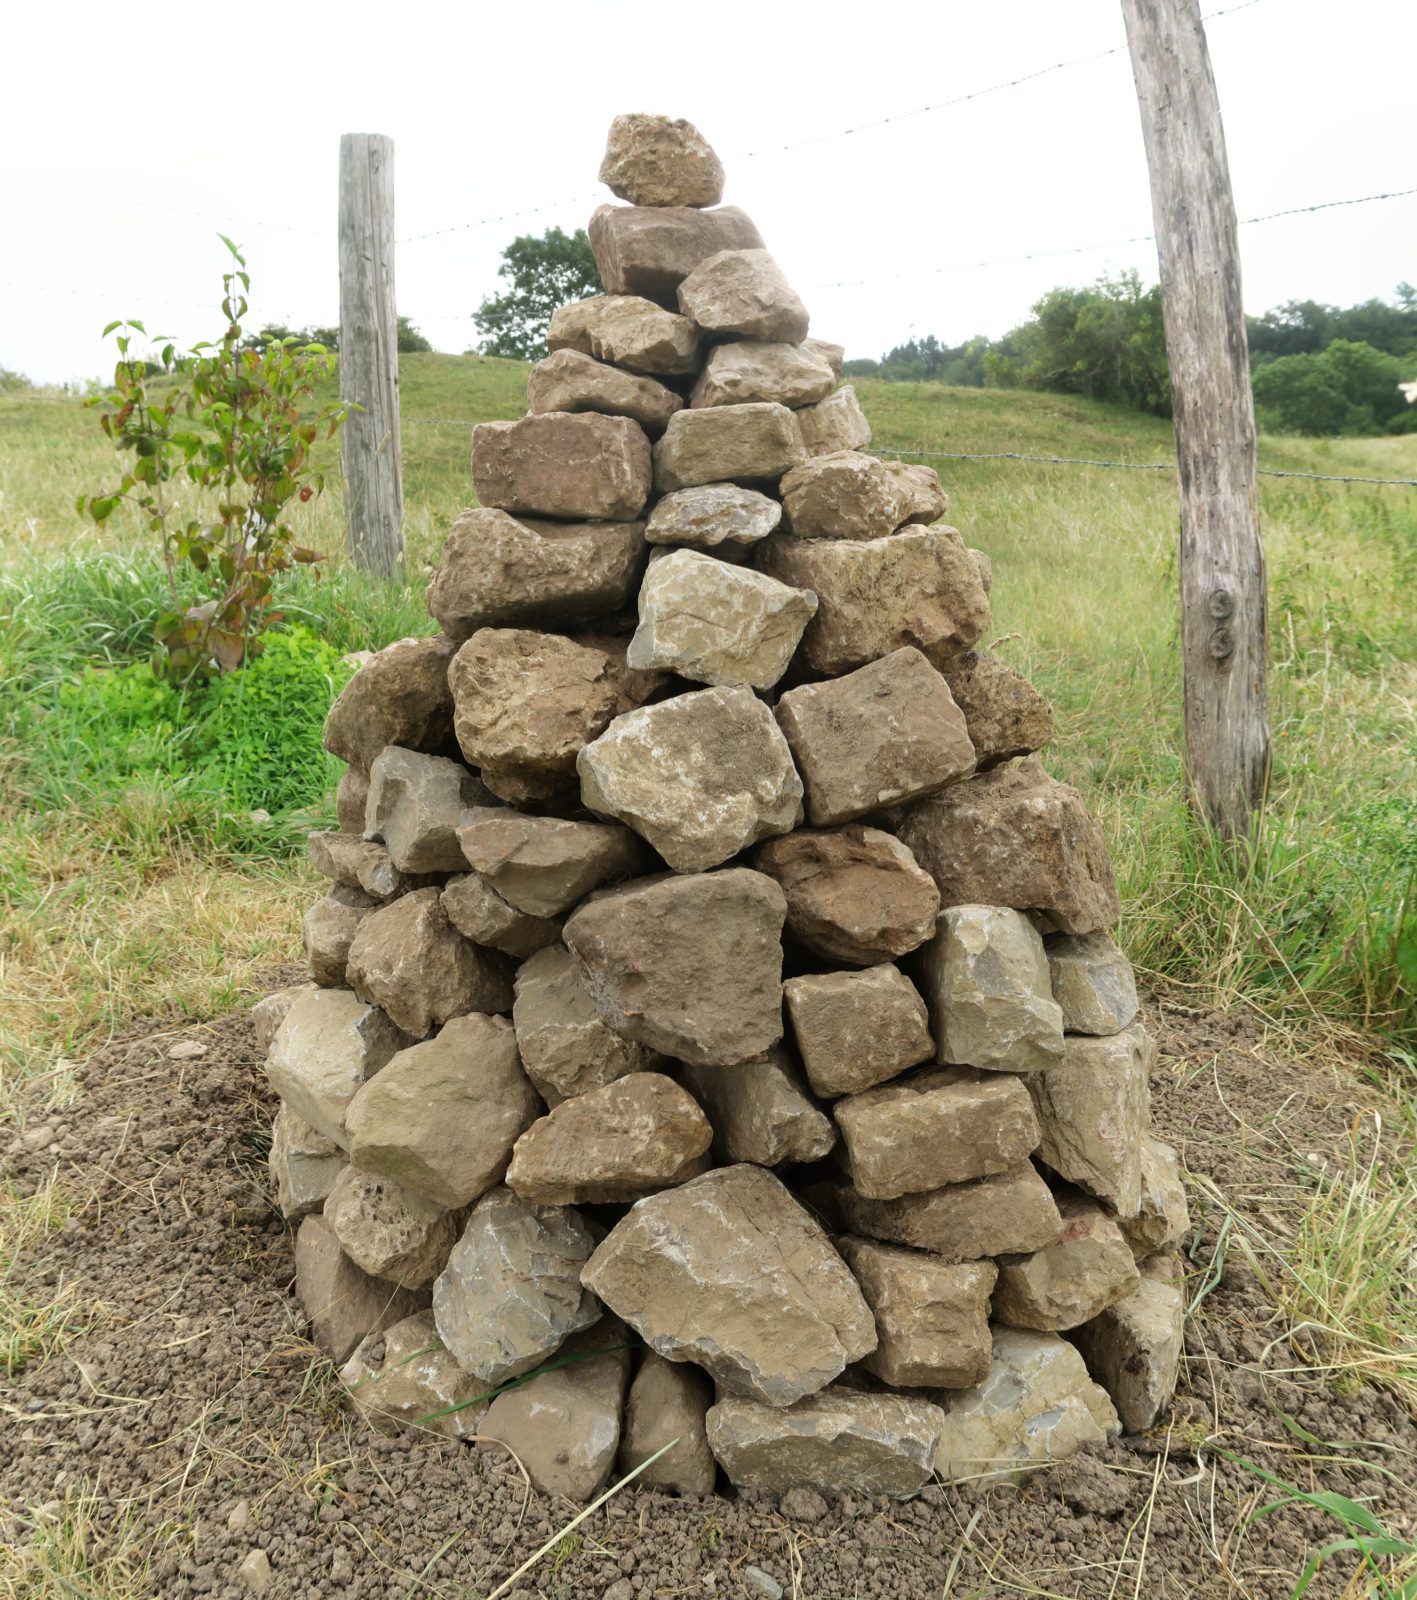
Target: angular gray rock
[
  {"x": 402, "y": 1379},
  {"x": 414, "y": 806},
  {"x": 1163, "y": 1219},
  {"x": 271, "y": 1010},
  {"x": 1005, "y": 1213},
  {"x": 746, "y": 443},
  {"x": 660, "y": 161},
  {"x": 344, "y": 1304},
  {"x": 566, "y": 380},
  {"x": 400, "y": 697},
  {"x": 1133, "y": 1349},
  {"x": 668, "y": 1401},
  {"x": 627, "y": 331},
  {"x": 1088, "y": 1268},
  {"x": 328, "y": 1044},
  {"x": 351, "y": 797},
  {"x": 563, "y": 464},
  {"x": 544, "y": 865},
  {"x": 1093, "y": 983},
  {"x": 328, "y": 930},
  {"x": 836, "y": 423},
  {"x": 1005, "y": 714},
  {"x": 857, "y": 1029},
  {"x": 479, "y": 913},
  {"x": 743, "y": 293},
  {"x": 722, "y": 518},
  {"x": 761, "y": 1111},
  {"x": 387, "y": 1230},
  {"x": 303, "y": 1165},
  {"x": 650, "y": 250},
  {"x": 357, "y": 863},
  {"x": 748, "y": 370}
]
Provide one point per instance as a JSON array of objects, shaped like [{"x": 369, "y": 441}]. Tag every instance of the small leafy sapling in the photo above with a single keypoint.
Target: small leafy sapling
[{"x": 240, "y": 425}]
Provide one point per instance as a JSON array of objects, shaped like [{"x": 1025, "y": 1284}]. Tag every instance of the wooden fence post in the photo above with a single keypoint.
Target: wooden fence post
[
  {"x": 1223, "y": 625},
  {"x": 368, "y": 353}
]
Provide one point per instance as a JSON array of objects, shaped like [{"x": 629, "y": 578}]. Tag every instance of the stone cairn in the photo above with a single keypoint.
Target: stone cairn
[{"x": 715, "y": 1026}]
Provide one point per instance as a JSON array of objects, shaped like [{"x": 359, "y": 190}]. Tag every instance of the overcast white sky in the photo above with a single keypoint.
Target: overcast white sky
[{"x": 118, "y": 164}]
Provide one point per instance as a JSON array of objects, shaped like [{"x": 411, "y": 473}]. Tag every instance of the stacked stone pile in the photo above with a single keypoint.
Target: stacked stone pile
[{"x": 714, "y": 1022}]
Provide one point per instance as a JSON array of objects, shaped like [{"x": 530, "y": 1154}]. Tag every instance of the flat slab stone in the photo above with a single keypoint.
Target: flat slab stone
[
  {"x": 855, "y": 1030},
  {"x": 690, "y": 966},
  {"x": 402, "y": 1379},
  {"x": 400, "y": 696},
  {"x": 1005, "y": 714},
  {"x": 414, "y": 804},
  {"x": 544, "y": 865},
  {"x": 668, "y": 1401},
  {"x": 498, "y": 570},
  {"x": 660, "y": 161},
  {"x": 628, "y": 331},
  {"x": 387, "y": 1230},
  {"x": 715, "y": 623},
  {"x": 1133, "y": 1349},
  {"x": 1007, "y": 1212},
  {"x": 842, "y": 1441},
  {"x": 1162, "y": 1220},
  {"x": 836, "y": 423},
  {"x": 328, "y": 1044},
  {"x": 328, "y": 930},
  {"x": 343, "y": 1303},
  {"x": 761, "y": 1111},
  {"x": 1086, "y": 1269},
  {"x": 700, "y": 777},
  {"x": 724, "y": 519},
  {"x": 748, "y": 370},
  {"x": 740, "y": 443},
  {"x": 303, "y": 1165},
  {"x": 563, "y": 464},
  {"x": 566, "y": 380},
  {"x": 479, "y": 913},
  {"x": 650, "y": 250},
  {"x": 881, "y": 736},
  {"x": 744, "y": 293},
  {"x": 1092, "y": 982},
  {"x": 731, "y": 1272}
]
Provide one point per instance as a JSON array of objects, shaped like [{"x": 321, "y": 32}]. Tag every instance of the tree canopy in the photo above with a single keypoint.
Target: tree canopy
[{"x": 541, "y": 274}]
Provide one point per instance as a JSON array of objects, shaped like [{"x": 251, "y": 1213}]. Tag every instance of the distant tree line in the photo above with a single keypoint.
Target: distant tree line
[{"x": 411, "y": 341}]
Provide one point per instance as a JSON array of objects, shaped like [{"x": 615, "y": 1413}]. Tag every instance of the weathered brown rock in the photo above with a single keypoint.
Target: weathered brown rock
[
  {"x": 985, "y": 564},
  {"x": 613, "y": 1144},
  {"x": 857, "y": 1029},
  {"x": 847, "y": 496},
  {"x": 403, "y": 1379},
  {"x": 668, "y": 1401},
  {"x": 479, "y": 913},
  {"x": 939, "y": 1127},
  {"x": 1133, "y": 1349},
  {"x": 660, "y": 161},
  {"x": 742, "y": 292},
  {"x": 563, "y": 464},
  {"x": 408, "y": 958},
  {"x": 918, "y": 587},
  {"x": 923, "y": 498},
  {"x": 544, "y": 865},
  {"x": 761, "y": 1111},
  {"x": 1071, "y": 1281},
  {"x": 1008, "y": 1212},
  {"x": 932, "y": 1316},
  {"x": 399, "y": 697},
  {"x": 723, "y": 518},
  {"x": 387, "y": 1230},
  {"x": 343, "y": 1303},
  {"x": 1005, "y": 714},
  {"x": 840, "y": 1440},
  {"x": 1162, "y": 1220},
  {"x": 729, "y": 1270},
  {"x": 836, "y": 423},
  {"x": 650, "y": 250},
  {"x": 303, "y": 1165},
  {"x": 511, "y": 1292},
  {"x": 985, "y": 979},
  {"x": 727, "y": 443},
  {"x": 628, "y": 331},
  {"x": 441, "y": 1118},
  {"x": 881, "y": 736},
  {"x": 748, "y": 370},
  {"x": 701, "y": 776},
  {"x": 1092, "y": 982},
  {"x": 1016, "y": 837},
  {"x": 497, "y": 571},
  {"x": 328, "y": 930},
  {"x": 357, "y": 863},
  {"x": 271, "y": 1010},
  {"x": 414, "y": 805},
  {"x": 715, "y": 623},
  {"x": 854, "y": 894},
  {"x": 1094, "y": 1111},
  {"x": 566, "y": 380},
  {"x": 691, "y": 966},
  {"x": 328, "y": 1044},
  {"x": 351, "y": 797}
]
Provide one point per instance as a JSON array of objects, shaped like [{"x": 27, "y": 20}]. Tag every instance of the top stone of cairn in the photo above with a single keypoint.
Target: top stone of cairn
[{"x": 660, "y": 161}]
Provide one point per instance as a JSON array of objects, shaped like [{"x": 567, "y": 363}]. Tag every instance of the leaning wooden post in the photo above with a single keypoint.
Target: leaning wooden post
[
  {"x": 1223, "y": 626},
  {"x": 368, "y": 353}
]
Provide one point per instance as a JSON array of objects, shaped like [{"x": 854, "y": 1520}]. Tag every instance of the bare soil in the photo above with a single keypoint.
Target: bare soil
[{"x": 206, "y": 1426}]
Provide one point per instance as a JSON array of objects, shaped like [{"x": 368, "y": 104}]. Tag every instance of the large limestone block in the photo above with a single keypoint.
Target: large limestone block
[
  {"x": 650, "y": 250},
  {"x": 743, "y": 293},
  {"x": 1036, "y": 1406},
  {"x": 611, "y": 1145},
  {"x": 881, "y": 736},
  {"x": 402, "y": 1379},
  {"x": 1093, "y": 983},
  {"x": 985, "y": 979},
  {"x": 566, "y": 380},
  {"x": 303, "y": 1165},
  {"x": 701, "y": 776},
  {"x": 565, "y": 1046},
  {"x": 842, "y": 1441},
  {"x": 749, "y": 442},
  {"x": 917, "y": 587},
  {"x": 502, "y": 571},
  {"x": 270, "y": 1011},
  {"x": 441, "y": 1118},
  {"x": 408, "y": 958},
  {"x": 627, "y": 331},
  {"x": 730, "y": 1271},
  {"x": 399, "y": 696},
  {"x": 725, "y": 519},
  {"x": 1016, "y": 837},
  {"x": 328, "y": 930},
  {"x": 846, "y": 496},
  {"x": 544, "y": 865},
  {"x": 511, "y": 1292},
  {"x": 1162, "y": 1220},
  {"x": 1133, "y": 1349},
  {"x": 717, "y": 624},
  {"x": 351, "y": 799},
  {"x": 836, "y": 423},
  {"x": 748, "y": 370},
  {"x": 387, "y": 1230},
  {"x": 344, "y": 1304},
  {"x": 854, "y": 894},
  {"x": 668, "y": 1401},
  {"x": 761, "y": 1111},
  {"x": 1005, "y": 714},
  {"x": 1094, "y": 1111},
  {"x": 943, "y": 1126},
  {"x": 479, "y": 913},
  {"x": 415, "y": 803},
  {"x": 1007, "y": 1212},
  {"x": 526, "y": 702},
  {"x": 832, "y": 354},
  {"x": 660, "y": 161},
  {"x": 563, "y": 464},
  {"x": 564, "y": 1425},
  {"x": 932, "y": 1316},
  {"x": 356, "y": 863},
  {"x": 329, "y": 1043},
  {"x": 1086, "y": 1269},
  {"x": 857, "y": 1029},
  {"x": 691, "y": 966}
]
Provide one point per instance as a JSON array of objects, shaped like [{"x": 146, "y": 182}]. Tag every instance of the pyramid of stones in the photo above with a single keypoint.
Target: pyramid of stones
[{"x": 714, "y": 1020}]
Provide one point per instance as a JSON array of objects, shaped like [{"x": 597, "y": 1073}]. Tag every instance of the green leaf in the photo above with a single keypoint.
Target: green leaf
[{"x": 111, "y": 326}]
